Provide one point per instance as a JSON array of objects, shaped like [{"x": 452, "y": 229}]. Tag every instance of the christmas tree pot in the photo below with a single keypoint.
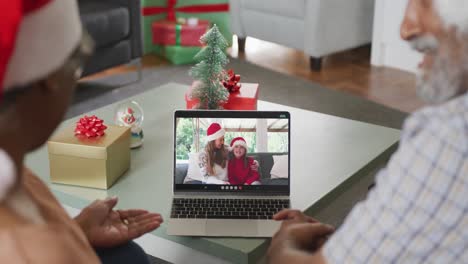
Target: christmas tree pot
[
  {"x": 89, "y": 162},
  {"x": 245, "y": 99}
]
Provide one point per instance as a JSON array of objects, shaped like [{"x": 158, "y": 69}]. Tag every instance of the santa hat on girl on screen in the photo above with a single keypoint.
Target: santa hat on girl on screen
[
  {"x": 36, "y": 38},
  {"x": 239, "y": 141},
  {"x": 214, "y": 132}
]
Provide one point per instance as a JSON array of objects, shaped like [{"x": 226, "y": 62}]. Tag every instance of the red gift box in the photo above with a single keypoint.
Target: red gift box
[
  {"x": 172, "y": 33},
  {"x": 245, "y": 99}
]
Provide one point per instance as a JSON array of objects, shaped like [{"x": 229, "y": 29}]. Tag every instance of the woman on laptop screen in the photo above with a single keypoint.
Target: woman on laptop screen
[{"x": 213, "y": 160}]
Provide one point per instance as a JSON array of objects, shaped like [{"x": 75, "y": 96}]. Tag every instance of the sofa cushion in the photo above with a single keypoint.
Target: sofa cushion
[
  {"x": 193, "y": 173},
  {"x": 289, "y": 8},
  {"x": 280, "y": 167},
  {"x": 107, "y": 22},
  {"x": 274, "y": 181},
  {"x": 265, "y": 160}
]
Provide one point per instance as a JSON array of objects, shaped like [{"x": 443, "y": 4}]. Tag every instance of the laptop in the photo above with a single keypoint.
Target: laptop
[{"x": 241, "y": 192}]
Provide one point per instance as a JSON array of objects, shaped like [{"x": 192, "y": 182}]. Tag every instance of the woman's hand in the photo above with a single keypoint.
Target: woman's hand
[
  {"x": 105, "y": 227},
  {"x": 254, "y": 165}
]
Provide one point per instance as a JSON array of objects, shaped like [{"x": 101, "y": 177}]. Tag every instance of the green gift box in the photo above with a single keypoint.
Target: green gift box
[
  {"x": 216, "y": 11},
  {"x": 179, "y": 54}
]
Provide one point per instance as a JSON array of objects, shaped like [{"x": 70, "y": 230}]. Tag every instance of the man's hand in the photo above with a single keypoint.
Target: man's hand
[
  {"x": 298, "y": 237},
  {"x": 294, "y": 215},
  {"x": 105, "y": 227}
]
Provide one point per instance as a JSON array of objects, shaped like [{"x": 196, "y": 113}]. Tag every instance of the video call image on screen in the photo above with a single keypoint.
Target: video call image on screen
[{"x": 232, "y": 152}]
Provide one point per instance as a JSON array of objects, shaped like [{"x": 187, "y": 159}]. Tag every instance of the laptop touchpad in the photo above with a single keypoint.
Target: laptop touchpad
[{"x": 231, "y": 227}]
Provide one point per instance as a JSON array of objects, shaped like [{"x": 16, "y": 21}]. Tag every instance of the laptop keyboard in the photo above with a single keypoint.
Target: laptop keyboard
[{"x": 227, "y": 208}]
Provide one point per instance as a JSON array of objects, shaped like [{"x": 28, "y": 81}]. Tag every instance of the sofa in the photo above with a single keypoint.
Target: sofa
[
  {"x": 115, "y": 26},
  {"x": 316, "y": 27},
  {"x": 265, "y": 161}
]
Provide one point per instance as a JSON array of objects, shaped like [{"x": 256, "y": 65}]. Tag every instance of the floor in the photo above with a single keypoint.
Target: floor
[{"x": 348, "y": 71}]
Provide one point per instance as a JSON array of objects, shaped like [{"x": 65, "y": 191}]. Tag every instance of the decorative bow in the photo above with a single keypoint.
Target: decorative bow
[
  {"x": 90, "y": 126},
  {"x": 232, "y": 83}
]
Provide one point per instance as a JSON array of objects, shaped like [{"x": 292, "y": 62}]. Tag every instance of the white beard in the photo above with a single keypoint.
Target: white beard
[
  {"x": 443, "y": 82},
  {"x": 445, "y": 79}
]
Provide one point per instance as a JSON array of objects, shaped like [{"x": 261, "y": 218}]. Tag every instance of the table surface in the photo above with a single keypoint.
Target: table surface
[{"x": 326, "y": 151}]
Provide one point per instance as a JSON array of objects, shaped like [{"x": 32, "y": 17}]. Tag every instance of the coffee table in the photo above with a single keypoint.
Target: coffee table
[{"x": 327, "y": 152}]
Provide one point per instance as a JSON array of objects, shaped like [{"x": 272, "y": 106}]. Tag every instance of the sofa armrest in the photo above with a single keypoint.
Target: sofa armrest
[
  {"x": 335, "y": 25},
  {"x": 136, "y": 40},
  {"x": 180, "y": 173},
  {"x": 235, "y": 18}
]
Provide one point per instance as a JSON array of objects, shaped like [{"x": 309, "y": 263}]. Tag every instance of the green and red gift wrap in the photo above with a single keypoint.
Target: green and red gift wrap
[
  {"x": 243, "y": 99},
  {"x": 167, "y": 32},
  {"x": 215, "y": 11}
]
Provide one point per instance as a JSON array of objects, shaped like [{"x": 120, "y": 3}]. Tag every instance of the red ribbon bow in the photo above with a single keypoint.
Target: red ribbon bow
[
  {"x": 232, "y": 83},
  {"x": 90, "y": 126}
]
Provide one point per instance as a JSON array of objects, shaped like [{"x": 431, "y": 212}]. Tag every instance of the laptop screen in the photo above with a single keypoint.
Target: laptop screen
[{"x": 232, "y": 151}]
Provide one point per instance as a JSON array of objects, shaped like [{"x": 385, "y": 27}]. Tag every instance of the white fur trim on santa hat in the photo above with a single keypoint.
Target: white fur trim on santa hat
[
  {"x": 239, "y": 142},
  {"x": 216, "y": 135},
  {"x": 7, "y": 174},
  {"x": 46, "y": 38},
  {"x": 453, "y": 13}
]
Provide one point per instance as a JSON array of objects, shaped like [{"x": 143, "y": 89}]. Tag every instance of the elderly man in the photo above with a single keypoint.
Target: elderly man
[
  {"x": 42, "y": 47},
  {"x": 418, "y": 211}
]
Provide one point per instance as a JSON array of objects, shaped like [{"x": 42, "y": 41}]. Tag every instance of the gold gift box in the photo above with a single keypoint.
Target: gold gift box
[{"x": 95, "y": 162}]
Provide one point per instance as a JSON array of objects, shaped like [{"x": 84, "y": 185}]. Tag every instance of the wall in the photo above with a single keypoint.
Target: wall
[{"x": 388, "y": 49}]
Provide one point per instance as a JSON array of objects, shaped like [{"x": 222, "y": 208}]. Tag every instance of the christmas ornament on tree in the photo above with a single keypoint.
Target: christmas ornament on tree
[
  {"x": 130, "y": 114},
  {"x": 232, "y": 82},
  {"x": 209, "y": 73}
]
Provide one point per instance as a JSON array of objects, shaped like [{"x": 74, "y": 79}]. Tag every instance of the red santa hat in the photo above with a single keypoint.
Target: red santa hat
[
  {"x": 239, "y": 141},
  {"x": 453, "y": 13},
  {"x": 214, "y": 132},
  {"x": 36, "y": 37}
]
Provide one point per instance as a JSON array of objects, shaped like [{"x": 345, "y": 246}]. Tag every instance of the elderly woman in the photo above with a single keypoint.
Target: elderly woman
[{"x": 42, "y": 48}]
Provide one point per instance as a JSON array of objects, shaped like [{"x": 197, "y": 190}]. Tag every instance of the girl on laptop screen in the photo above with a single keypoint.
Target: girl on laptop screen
[{"x": 240, "y": 170}]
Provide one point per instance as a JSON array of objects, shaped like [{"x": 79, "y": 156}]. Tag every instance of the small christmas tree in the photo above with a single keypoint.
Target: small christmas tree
[{"x": 209, "y": 73}]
